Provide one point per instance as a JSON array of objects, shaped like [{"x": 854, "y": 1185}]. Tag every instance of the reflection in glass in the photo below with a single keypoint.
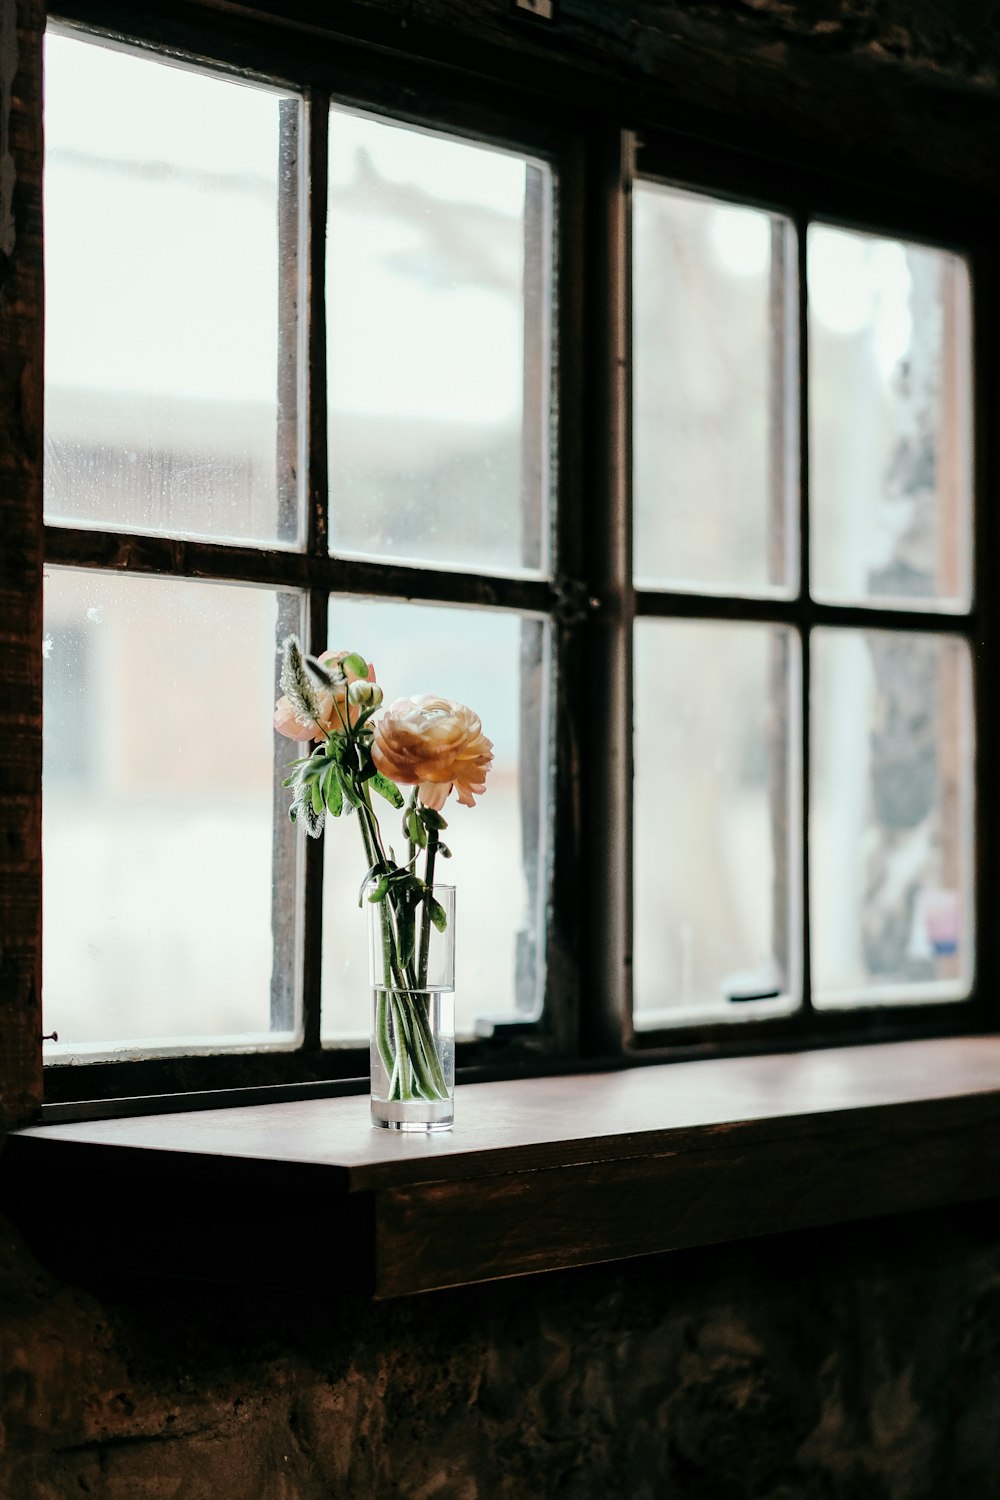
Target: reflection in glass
[
  {"x": 438, "y": 304},
  {"x": 157, "y": 814},
  {"x": 714, "y": 407},
  {"x": 162, "y": 281},
  {"x": 716, "y": 777},
  {"x": 890, "y": 420},
  {"x": 891, "y": 818},
  {"x": 496, "y": 663}
]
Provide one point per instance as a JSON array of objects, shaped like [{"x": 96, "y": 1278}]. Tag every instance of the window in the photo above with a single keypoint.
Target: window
[
  {"x": 290, "y": 387},
  {"x": 802, "y": 487},
  {"x": 326, "y": 353}
]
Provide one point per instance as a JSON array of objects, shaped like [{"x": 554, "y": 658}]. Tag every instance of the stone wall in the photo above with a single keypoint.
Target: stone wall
[{"x": 858, "y": 1364}]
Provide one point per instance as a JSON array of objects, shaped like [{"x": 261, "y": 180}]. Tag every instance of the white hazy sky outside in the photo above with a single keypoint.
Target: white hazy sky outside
[{"x": 163, "y": 279}]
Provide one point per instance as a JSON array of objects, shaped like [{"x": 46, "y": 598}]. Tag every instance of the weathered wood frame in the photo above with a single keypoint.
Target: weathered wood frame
[{"x": 21, "y": 336}]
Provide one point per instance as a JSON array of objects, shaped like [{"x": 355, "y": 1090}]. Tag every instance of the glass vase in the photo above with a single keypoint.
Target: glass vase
[{"x": 411, "y": 952}]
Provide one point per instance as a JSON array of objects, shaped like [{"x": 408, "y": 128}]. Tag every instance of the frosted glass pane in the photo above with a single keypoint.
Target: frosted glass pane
[
  {"x": 162, "y": 275},
  {"x": 157, "y": 814},
  {"x": 714, "y": 405},
  {"x": 438, "y": 291},
  {"x": 891, "y": 818},
  {"x": 716, "y": 931},
  {"x": 495, "y": 663},
  {"x": 890, "y": 421}
]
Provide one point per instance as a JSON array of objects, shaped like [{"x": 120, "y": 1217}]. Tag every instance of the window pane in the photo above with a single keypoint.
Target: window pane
[
  {"x": 158, "y": 828},
  {"x": 714, "y": 405},
  {"x": 716, "y": 778},
  {"x": 162, "y": 280},
  {"x": 890, "y": 420},
  {"x": 891, "y": 819},
  {"x": 438, "y": 305},
  {"x": 495, "y": 663}
]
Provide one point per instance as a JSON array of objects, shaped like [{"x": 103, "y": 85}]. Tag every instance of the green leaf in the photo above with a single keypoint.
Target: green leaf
[
  {"x": 438, "y": 914},
  {"x": 333, "y": 792},
  {"x": 432, "y": 818},
  {"x": 316, "y": 795},
  {"x": 350, "y": 792},
  {"x": 387, "y": 789},
  {"x": 444, "y": 850},
  {"x": 379, "y": 893},
  {"x": 414, "y": 829},
  {"x": 372, "y": 871}
]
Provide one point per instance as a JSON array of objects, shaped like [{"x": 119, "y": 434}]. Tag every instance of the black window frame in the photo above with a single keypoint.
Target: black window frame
[{"x": 596, "y": 148}]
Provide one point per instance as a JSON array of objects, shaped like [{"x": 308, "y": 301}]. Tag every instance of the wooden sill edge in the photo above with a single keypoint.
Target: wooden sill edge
[{"x": 652, "y": 1159}]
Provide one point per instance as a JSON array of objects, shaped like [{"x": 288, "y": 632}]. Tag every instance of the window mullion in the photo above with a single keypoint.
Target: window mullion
[
  {"x": 535, "y": 520},
  {"x": 801, "y": 228},
  {"x": 286, "y": 855},
  {"x": 313, "y": 446},
  {"x": 606, "y": 680}
]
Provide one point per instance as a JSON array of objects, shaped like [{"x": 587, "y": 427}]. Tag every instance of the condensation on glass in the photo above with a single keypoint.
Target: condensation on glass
[
  {"x": 497, "y": 663},
  {"x": 891, "y": 817},
  {"x": 715, "y": 439},
  {"x": 717, "y": 905},
  {"x": 439, "y": 266},
  {"x": 890, "y": 421},
  {"x": 165, "y": 188},
  {"x": 159, "y": 829}
]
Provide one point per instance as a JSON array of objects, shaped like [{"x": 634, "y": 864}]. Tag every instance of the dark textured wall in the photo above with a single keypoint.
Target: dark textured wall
[{"x": 857, "y": 1364}]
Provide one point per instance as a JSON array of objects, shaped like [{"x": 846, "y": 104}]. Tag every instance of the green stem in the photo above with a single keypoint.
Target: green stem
[
  {"x": 413, "y": 1063},
  {"x": 425, "y": 1038},
  {"x": 433, "y": 839},
  {"x": 382, "y": 1039}
]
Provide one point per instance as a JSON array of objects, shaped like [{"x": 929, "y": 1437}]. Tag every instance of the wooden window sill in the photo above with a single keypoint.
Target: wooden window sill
[{"x": 538, "y": 1174}]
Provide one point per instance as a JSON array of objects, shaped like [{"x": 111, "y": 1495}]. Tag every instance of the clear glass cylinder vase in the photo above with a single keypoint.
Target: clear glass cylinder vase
[{"x": 411, "y": 951}]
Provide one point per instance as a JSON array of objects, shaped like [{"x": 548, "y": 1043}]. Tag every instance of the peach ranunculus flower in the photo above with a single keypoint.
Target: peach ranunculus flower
[
  {"x": 435, "y": 744},
  {"x": 334, "y": 704}
]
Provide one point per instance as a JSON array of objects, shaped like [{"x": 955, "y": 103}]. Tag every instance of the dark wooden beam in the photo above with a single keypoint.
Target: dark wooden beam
[
  {"x": 20, "y": 559},
  {"x": 896, "y": 87}
]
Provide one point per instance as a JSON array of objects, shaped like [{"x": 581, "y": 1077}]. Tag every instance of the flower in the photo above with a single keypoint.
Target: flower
[
  {"x": 333, "y": 703},
  {"x": 435, "y": 744},
  {"x": 429, "y": 743}
]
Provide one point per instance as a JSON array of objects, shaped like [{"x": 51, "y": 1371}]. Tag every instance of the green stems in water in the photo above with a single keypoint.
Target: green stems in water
[{"x": 403, "y": 1034}]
